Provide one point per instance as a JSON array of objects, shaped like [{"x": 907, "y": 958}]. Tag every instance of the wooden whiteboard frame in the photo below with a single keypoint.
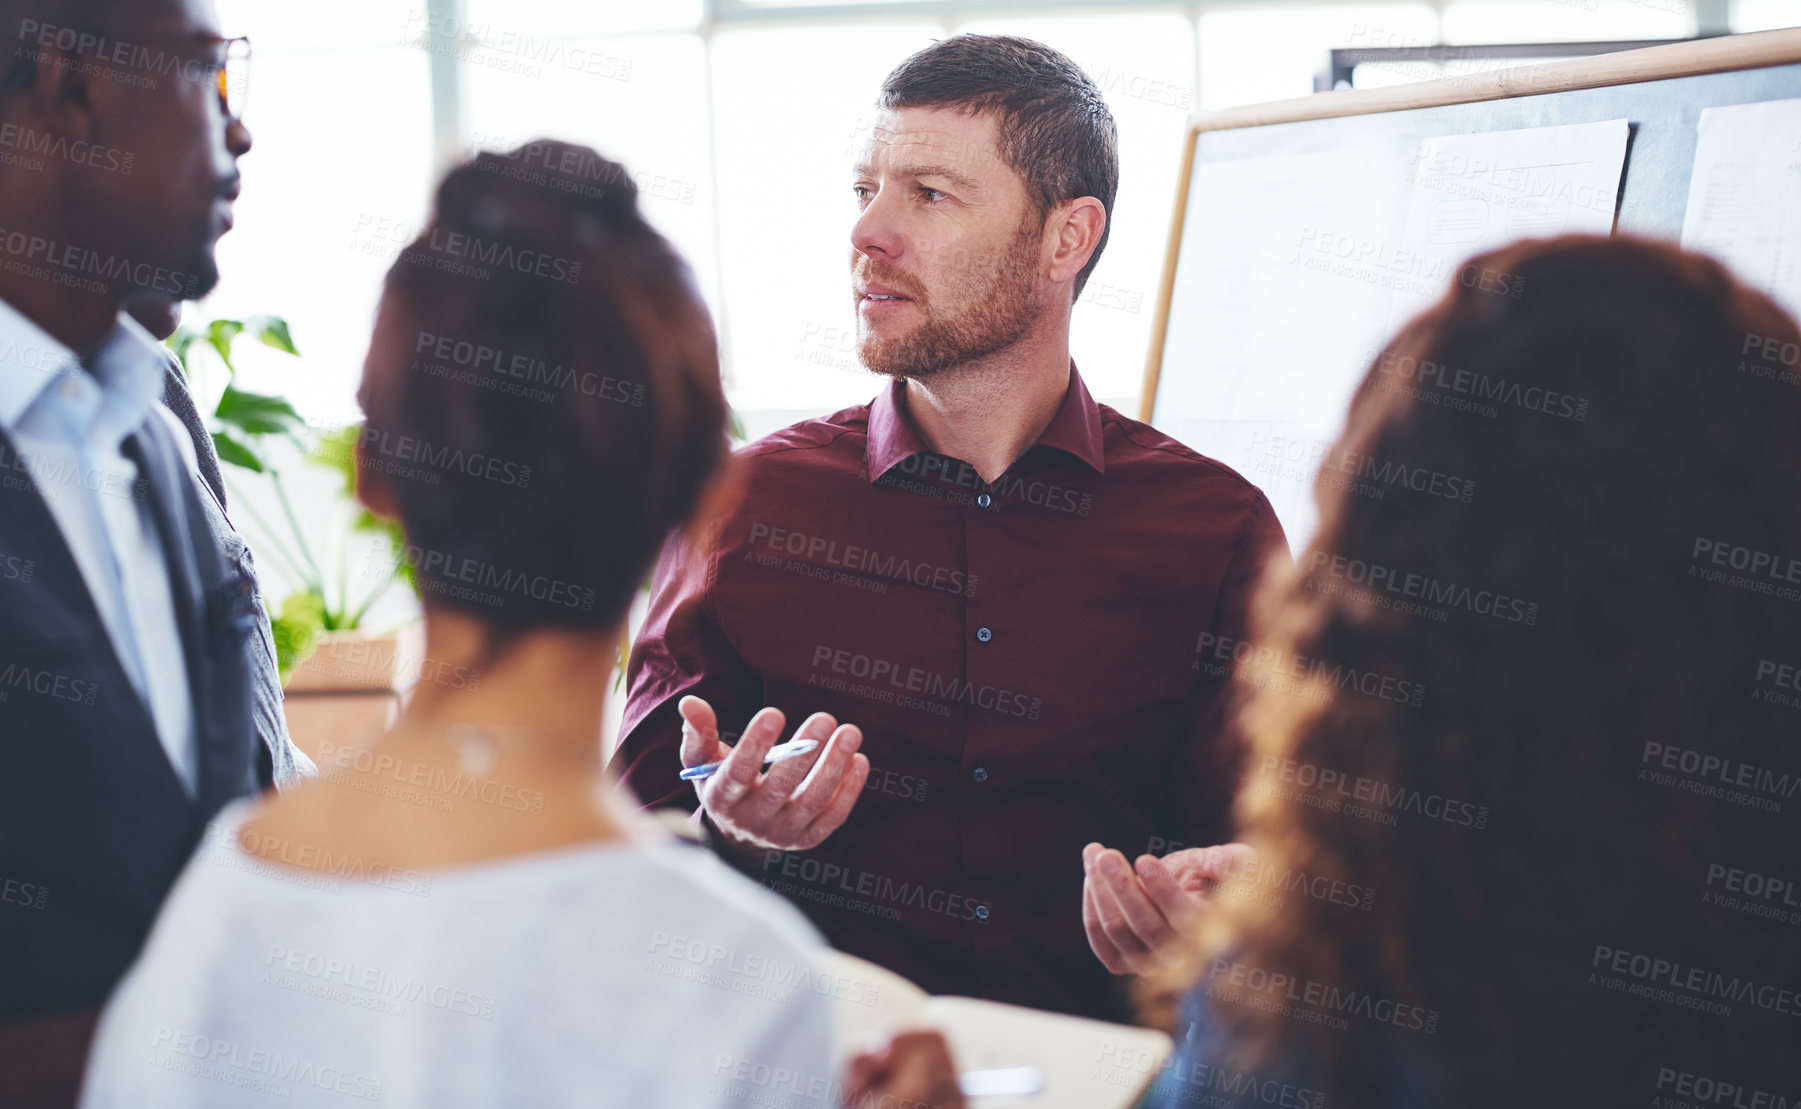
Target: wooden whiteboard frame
[{"x": 1654, "y": 63}]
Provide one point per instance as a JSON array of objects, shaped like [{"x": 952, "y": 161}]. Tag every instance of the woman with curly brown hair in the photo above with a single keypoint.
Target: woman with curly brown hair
[{"x": 1562, "y": 870}]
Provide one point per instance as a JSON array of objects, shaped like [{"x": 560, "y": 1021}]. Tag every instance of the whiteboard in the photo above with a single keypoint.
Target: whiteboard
[{"x": 1255, "y": 354}]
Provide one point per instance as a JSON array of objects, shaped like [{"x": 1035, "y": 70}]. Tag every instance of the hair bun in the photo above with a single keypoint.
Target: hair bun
[{"x": 495, "y": 189}]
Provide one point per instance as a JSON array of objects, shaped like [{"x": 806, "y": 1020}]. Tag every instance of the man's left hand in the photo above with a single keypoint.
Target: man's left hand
[{"x": 1136, "y": 914}]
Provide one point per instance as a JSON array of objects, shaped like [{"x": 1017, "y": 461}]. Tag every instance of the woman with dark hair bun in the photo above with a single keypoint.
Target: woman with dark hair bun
[
  {"x": 458, "y": 914},
  {"x": 1561, "y": 869}
]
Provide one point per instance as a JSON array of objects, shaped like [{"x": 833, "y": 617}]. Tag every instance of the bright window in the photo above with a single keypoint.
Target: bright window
[
  {"x": 1273, "y": 51},
  {"x": 640, "y": 100},
  {"x": 1144, "y": 65},
  {"x": 1765, "y": 15},
  {"x": 341, "y": 169},
  {"x": 741, "y": 134},
  {"x": 792, "y": 109},
  {"x": 1567, "y": 20}
]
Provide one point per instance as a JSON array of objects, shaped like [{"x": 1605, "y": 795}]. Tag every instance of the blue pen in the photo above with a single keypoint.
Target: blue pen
[{"x": 776, "y": 754}]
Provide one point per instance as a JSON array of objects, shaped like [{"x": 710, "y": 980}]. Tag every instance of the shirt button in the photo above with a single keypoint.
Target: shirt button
[
  {"x": 980, "y": 774},
  {"x": 984, "y": 500},
  {"x": 981, "y": 912},
  {"x": 984, "y": 634}
]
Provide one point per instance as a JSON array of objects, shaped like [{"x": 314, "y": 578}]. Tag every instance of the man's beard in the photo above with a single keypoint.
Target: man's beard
[
  {"x": 200, "y": 276},
  {"x": 196, "y": 277},
  {"x": 999, "y": 306}
]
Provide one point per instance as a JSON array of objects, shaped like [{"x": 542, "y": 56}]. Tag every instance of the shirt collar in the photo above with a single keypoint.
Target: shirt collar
[
  {"x": 127, "y": 367},
  {"x": 1075, "y": 429},
  {"x": 30, "y": 359}
]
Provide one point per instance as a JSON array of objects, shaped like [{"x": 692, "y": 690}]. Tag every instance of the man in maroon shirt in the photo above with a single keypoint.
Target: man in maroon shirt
[{"x": 1009, "y": 587}]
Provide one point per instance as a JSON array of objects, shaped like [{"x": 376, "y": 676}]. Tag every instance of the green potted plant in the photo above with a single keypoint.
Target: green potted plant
[
  {"x": 245, "y": 425},
  {"x": 247, "y": 430}
]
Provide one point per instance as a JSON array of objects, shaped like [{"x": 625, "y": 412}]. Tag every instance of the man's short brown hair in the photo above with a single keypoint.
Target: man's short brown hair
[{"x": 1055, "y": 129}]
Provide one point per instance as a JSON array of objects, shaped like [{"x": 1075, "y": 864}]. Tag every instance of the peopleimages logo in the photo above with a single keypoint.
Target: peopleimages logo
[
  {"x": 1387, "y": 587},
  {"x": 508, "y": 50},
  {"x": 321, "y": 861},
  {"x": 734, "y": 969},
  {"x": 28, "y": 894},
  {"x": 37, "y": 37},
  {"x": 1751, "y": 893},
  {"x": 914, "y": 687},
  {"x": 14, "y": 568},
  {"x": 425, "y": 776},
  {"x": 1706, "y": 1090},
  {"x": 440, "y": 571},
  {"x": 78, "y": 267},
  {"x": 77, "y": 152},
  {"x": 950, "y": 479},
  {"x": 402, "y": 989},
  {"x": 1770, "y": 573},
  {"x": 532, "y": 263},
  {"x": 1339, "y": 468},
  {"x": 1259, "y": 881},
  {"x": 1506, "y": 185},
  {"x": 1189, "y": 1079},
  {"x": 231, "y": 1063},
  {"x": 59, "y": 687},
  {"x": 1219, "y": 656},
  {"x": 1689, "y": 987},
  {"x": 1452, "y": 387},
  {"x": 827, "y": 882},
  {"x": 867, "y": 560},
  {"x": 485, "y": 363},
  {"x": 434, "y": 459},
  {"x": 1773, "y": 356},
  {"x": 1314, "y": 1002},
  {"x": 1326, "y": 788},
  {"x": 1716, "y": 776}
]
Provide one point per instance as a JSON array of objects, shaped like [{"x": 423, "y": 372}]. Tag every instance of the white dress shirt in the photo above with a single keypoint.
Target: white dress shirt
[{"x": 68, "y": 425}]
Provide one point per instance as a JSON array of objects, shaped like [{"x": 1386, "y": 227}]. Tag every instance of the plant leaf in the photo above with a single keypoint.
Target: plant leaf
[
  {"x": 272, "y": 331},
  {"x": 335, "y": 450},
  {"x": 180, "y": 343},
  {"x": 258, "y": 413},
  {"x": 296, "y": 628},
  {"x": 219, "y": 335},
  {"x": 234, "y": 453}
]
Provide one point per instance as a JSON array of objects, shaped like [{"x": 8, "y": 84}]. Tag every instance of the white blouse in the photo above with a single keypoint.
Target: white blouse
[{"x": 610, "y": 974}]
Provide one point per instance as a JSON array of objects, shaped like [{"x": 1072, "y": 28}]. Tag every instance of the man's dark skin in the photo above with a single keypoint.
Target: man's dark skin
[
  {"x": 158, "y": 315},
  {"x": 163, "y": 218},
  {"x": 167, "y": 214}
]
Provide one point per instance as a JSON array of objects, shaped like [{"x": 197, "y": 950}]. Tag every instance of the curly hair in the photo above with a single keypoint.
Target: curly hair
[{"x": 1580, "y": 842}]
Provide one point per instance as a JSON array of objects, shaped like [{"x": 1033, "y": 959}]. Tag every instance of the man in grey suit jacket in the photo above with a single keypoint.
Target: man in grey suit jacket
[
  {"x": 160, "y": 316},
  {"x": 125, "y": 692}
]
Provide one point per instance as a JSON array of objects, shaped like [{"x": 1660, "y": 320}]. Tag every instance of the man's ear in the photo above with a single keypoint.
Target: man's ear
[{"x": 1076, "y": 228}]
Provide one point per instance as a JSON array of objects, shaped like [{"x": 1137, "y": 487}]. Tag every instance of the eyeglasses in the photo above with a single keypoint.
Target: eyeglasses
[
  {"x": 226, "y": 68},
  {"x": 234, "y": 76}
]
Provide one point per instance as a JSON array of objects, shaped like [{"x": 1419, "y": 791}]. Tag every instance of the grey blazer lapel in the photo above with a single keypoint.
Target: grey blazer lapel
[
  {"x": 214, "y": 620},
  {"x": 178, "y": 400}
]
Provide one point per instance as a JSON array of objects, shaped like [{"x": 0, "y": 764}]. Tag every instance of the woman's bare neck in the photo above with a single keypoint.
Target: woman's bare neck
[{"x": 510, "y": 767}]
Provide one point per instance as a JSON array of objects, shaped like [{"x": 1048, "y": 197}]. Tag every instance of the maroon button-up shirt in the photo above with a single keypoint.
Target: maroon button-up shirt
[{"x": 1030, "y": 661}]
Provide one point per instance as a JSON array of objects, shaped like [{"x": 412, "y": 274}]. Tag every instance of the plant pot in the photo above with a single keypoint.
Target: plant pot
[
  {"x": 350, "y": 689},
  {"x": 357, "y": 662}
]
